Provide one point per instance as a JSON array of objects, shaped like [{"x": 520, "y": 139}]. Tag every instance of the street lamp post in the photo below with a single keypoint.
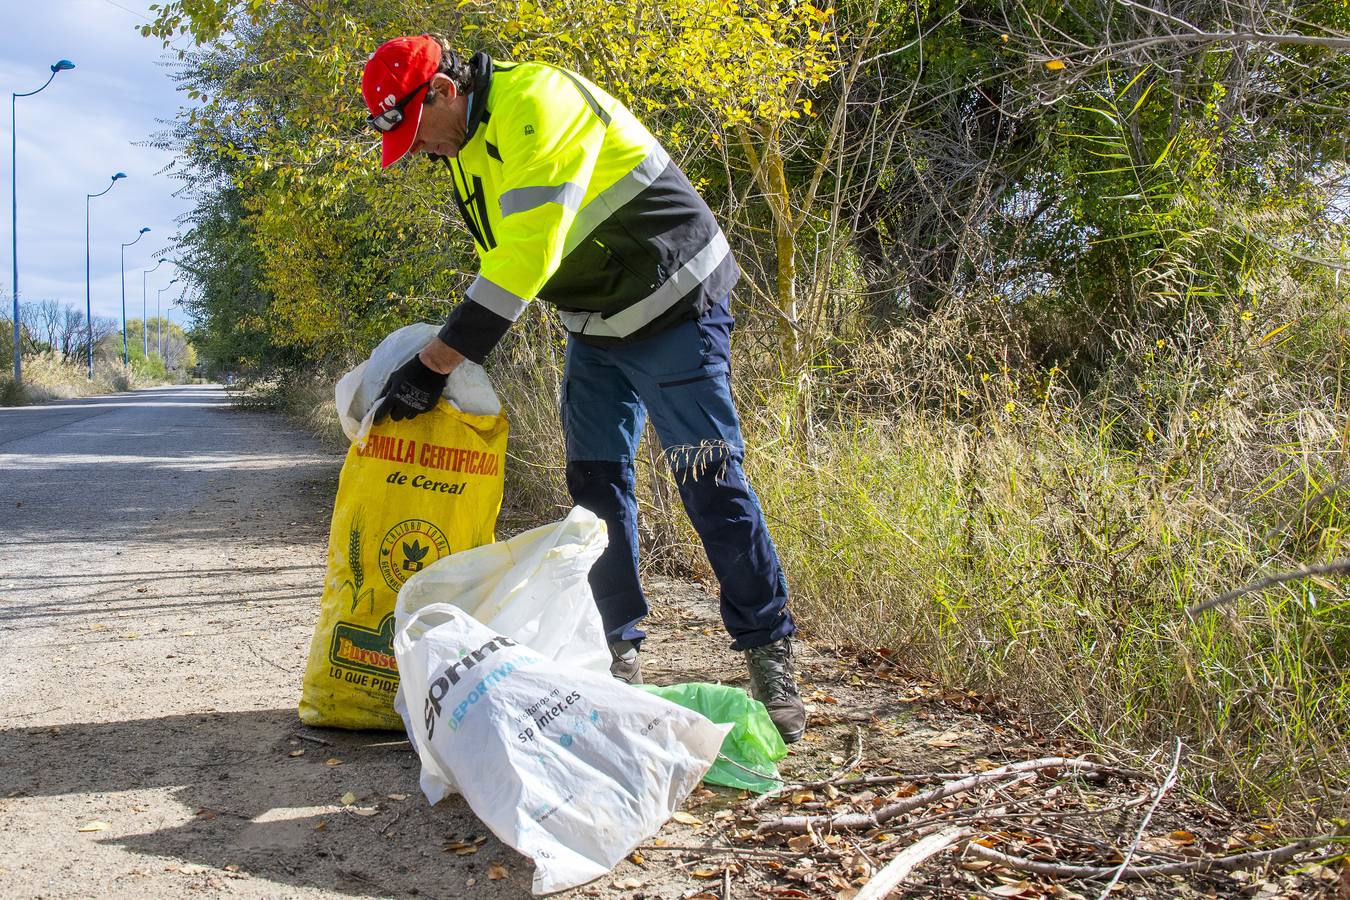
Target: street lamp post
[
  {"x": 88, "y": 312},
  {"x": 146, "y": 330},
  {"x": 126, "y": 357},
  {"x": 159, "y": 335},
  {"x": 59, "y": 66}
]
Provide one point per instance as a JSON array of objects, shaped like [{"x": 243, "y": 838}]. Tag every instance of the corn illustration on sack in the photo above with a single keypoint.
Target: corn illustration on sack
[{"x": 413, "y": 492}]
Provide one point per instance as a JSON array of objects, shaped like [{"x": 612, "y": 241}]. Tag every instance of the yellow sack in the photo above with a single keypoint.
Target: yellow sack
[{"x": 416, "y": 491}]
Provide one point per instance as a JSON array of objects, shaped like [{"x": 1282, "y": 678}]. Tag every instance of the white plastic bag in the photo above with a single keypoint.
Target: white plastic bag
[
  {"x": 532, "y": 588},
  {"x": 570, "y": 767},
  {"x": 358, "y": 392}
]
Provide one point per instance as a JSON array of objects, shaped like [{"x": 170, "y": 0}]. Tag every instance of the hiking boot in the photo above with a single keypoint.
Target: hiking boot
[
  {"x": 773, "y": 683},
  {"x": 624, "y": 662}
]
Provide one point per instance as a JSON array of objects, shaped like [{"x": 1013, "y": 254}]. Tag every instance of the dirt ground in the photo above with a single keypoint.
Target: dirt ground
[{"x": 154, "y": 645}]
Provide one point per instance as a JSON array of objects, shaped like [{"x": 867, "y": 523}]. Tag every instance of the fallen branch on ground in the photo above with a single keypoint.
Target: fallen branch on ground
[
  {"x": 843, "y": 821},
  {"x": 880, "y": 885},
  {"x": 725, "y": 850},
  {"x": 1191, "y": 867},
  {"x": 1166, "y": 786}
]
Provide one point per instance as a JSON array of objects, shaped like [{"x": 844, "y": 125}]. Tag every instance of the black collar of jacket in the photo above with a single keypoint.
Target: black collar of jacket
[{"x": 481, "y": 66}]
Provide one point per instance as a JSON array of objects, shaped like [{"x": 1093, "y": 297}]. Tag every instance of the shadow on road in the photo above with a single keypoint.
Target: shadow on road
[{"x": 249, "y": 803}]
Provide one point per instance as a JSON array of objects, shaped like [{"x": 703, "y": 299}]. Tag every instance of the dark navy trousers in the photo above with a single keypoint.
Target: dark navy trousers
[{"x": 681, "y": 378}]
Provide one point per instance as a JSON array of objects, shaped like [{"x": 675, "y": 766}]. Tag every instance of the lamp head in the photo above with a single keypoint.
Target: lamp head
[
  {"x": 62, "y": 65},
  {"x": 119, "y": 175},
  {"x": 144, "y": 230}
]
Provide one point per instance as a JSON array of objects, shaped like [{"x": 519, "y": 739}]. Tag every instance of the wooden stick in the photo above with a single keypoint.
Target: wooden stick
[
  {"x": 715, "y": 850},
  {"x": 1163, "y": 788},
  {"x": 1208, "y": 864},
  {"x": 1337, "y": 567},
  {"x": 880, "y": 885},
  {"x": 800, "y": 824}
]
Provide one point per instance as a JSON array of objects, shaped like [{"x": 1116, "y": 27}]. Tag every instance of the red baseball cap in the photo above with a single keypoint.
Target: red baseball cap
[{"x": 396, "y": 69}]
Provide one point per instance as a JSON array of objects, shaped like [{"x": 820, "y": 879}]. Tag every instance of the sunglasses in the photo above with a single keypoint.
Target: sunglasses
[{"x": 391, "y": 118}]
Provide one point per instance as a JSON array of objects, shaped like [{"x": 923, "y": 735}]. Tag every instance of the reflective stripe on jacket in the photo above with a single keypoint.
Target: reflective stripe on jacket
[{"x": 570, "y": 199}]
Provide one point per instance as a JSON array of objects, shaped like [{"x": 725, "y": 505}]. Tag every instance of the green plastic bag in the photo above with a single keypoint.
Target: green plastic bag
[{"x": 752, "y": 744}]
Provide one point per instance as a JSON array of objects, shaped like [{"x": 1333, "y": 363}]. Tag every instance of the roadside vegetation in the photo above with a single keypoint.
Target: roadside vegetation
[
  {"x": 1042, "y": 333},
  {"x": 55, "y": 344}
]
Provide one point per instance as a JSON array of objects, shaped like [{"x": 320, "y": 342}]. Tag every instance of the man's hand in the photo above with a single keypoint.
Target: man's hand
[{"x": 411, "y": 390}]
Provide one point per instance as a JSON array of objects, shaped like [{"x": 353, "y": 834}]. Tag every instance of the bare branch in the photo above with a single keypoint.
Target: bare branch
[
  {"x": 880, "y": 885},
  {"x": 1339, "y": 567},
  {"x": 1197, "y": 866}
]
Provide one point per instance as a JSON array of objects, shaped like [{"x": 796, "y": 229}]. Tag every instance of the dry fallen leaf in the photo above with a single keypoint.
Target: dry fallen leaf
[
  {"x": 365, "y": 811},
  {"x": 948, "y": 739},
  {"x": 706, "y": 873},
  {"x": 628, "y": 884},
  {"x": 332, "y": 761},
  {"x": 94, "y": 826},
  {"x": 685, "y": 818},
  {"x": 801, "y": 843},
  {"x": 397, "y": 796},
  {"x": 1015, "y": 889},
  {"x": 348, "y": 799},
  {"x": 801, "y": 797},
  {"x": 297, "y": 753},
  {"x": 497, "y": 871},
  {"x": 1181, "y": 838},
  {"x": 1054, "y": 65},
  {"x": 636, "y": 858}
]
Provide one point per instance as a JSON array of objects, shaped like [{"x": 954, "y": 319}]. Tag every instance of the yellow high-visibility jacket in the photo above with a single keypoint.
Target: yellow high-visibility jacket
[{"x": 570, "y": 199}]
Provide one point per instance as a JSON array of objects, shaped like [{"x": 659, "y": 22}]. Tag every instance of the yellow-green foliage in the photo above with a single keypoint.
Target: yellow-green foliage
[{"x": 743, "y": 62}]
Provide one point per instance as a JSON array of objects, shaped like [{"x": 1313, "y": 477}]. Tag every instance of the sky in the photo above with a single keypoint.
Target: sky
[{"x": 85, "y": 126}]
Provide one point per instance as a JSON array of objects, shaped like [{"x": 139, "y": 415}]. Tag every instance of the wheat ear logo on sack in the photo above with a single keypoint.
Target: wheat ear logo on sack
[
  {"x": 409, "y": 547},
  {"x": 358, "y": 578},
  {"x": 369, "y": 650}
]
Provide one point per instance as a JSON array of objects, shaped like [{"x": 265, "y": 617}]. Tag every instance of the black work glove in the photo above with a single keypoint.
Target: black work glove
[{"x": 412, "y": 390}]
